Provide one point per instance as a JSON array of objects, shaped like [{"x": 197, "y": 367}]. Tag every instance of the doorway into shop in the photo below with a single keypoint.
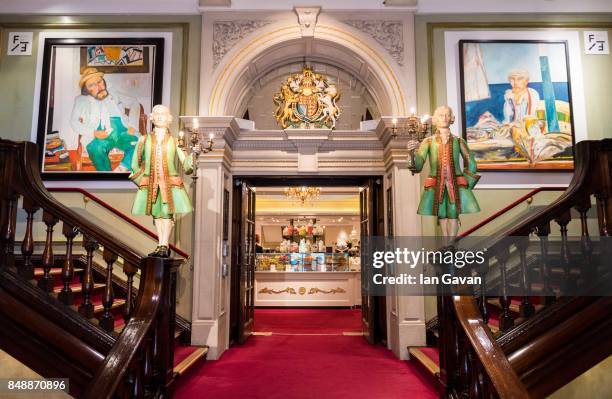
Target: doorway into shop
[{"x": 296, "y": 266}]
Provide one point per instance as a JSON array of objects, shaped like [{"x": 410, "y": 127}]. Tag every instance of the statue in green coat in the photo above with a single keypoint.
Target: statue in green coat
[
  {"x": 161, "y": 193},
  {"x": 447, "y": 191}
]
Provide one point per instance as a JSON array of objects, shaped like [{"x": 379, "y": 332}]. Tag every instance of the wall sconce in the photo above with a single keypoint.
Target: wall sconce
[
  {"x": 416, "y": 129},
  {"x": 195, "y": 146},
  {"x": 194, "y": 138}
]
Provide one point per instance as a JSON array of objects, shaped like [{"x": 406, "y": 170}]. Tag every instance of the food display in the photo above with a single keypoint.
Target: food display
[
  {"x": 303, "y": 249},
  {"x": 309, "y": 230},
  {"x": 301, "y": 262},
  {"x": 272, "y": 262}
]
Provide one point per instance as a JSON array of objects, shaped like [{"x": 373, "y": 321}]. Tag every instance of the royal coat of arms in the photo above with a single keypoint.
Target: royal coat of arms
[{"x": 307, "y": 100}]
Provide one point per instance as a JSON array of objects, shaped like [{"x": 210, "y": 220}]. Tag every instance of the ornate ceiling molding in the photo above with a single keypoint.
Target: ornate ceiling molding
[
  {"x": 227, "y": 33},
  {"x": 389, "y": 34}
]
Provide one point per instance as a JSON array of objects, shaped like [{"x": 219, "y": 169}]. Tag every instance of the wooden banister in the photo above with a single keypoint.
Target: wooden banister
[
  {"x": 23, "y": 178},
  {"x": 501, "y": 374},
  {"x": 508, "y": 208},
  {"x": 478, "y": 364},
  {"x": 116, "y": 212},
  {"x": 156, "y": 285},
  {"x": 150, "y": 323}
]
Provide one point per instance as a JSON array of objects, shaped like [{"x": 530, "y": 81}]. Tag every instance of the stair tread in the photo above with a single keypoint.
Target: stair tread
[
  {"x": 98, "y": 306},
  {"x": 186, "y": 356},
  {"x": 515, "y": 305},
  {"x": 77, "y": 287},
  {"x": 54, "y": 271},
  {"x": 426, "y": 356}
]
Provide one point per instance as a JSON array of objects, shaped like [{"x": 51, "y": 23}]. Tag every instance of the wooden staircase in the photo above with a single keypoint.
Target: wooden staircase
[
  {"x": 101, "y": 313},
  {"x": 495, "y": 343}
]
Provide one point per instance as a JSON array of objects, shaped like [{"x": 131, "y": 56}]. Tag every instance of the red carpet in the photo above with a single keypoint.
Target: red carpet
[
  {"x": 305, "y": 366},
  {"x": 298, "y": 366},
  {"x": 308, "y": 321}
]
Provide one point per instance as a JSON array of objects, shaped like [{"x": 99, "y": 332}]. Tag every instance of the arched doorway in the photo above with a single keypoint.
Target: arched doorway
[
  {"x": 244, "y": 150},
  {"x": 333, "y": 42}
]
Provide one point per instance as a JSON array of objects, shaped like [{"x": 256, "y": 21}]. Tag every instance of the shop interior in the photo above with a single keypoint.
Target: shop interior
[{"x": 307, "y": 258}]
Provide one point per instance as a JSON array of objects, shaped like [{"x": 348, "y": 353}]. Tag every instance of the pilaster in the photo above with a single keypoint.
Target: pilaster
[
  {"x": 405, "y": 314},
  {"x": 210, "y": 315}
]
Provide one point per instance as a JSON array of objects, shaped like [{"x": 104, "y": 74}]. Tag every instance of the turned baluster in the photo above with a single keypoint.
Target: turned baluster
[
  {"x": 526, "y": 309},
  {"x": 129, "y": 271},
  {"x": 602, "y": 215},
  {"x": 457, "y": 333},
  {"x": 444, "y": 330},
  {"x": 148, "y": 359},
  {"x": 563, "y": 221},
  {"x": 464, "y": 363},
  {"x": 586, "y": 246},
  {"x": 27, "y": 246},
  {"x": 138, "y": 388},
  {"x": 46, "y": 281},
  {"x": 86, "y": 307},
  {"x": 505, "y": 318},
  {"x": 66, "y": 296},
  {"x": 484, "y": 309},
  {"x": 9, "y": 220},
  {"x": 543, "y": 231},
  {"x": 476, "y": 378},
  {"x": 107, "y": 321}
]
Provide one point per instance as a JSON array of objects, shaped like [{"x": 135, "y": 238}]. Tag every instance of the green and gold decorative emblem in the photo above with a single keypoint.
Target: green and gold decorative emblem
[{"x": 307, "y": 100}]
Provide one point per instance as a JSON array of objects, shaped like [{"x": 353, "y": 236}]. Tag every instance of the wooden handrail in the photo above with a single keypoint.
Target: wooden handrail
[
  {"x": 508, "y": 208},
  {"x": 466, "y": 342},
  {"x": 145, "y": 344},
  {"x": 25, "y": 180},
  {"x": 503, "y": 377},
  {"x": 117, "y": 362},
  {"x": 582, "y": 184},
  {"x": 117, "y": 213}
]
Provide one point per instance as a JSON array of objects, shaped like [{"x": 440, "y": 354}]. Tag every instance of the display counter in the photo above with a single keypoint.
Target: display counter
[{"x": 307, "y": 279}]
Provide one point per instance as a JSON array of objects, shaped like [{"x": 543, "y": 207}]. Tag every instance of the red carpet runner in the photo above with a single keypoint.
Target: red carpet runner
[
  {"x": 305, "y": 366},
  {"x": 308, "y": 321}
]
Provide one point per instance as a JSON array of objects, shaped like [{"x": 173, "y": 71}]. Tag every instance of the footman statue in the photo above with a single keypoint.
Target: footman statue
[
  {"x": 448, "y": 188},
  {"x": 161, "y": 193}
]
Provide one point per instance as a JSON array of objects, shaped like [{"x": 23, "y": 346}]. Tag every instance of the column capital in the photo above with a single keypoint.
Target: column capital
[{"x": 222, "y": 127}]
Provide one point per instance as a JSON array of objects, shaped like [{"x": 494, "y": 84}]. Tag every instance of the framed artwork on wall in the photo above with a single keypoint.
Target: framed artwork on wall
[
  {"x": 516, "y": 104},
  {"x": 95, "y": 95}
]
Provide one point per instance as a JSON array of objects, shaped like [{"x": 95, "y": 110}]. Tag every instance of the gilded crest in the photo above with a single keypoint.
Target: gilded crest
[{"x": 307, "y": 100}]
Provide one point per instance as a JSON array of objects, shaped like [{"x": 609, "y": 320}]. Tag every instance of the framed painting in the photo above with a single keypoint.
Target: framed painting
[
  {"x": 516, "y": 104},
  {"x": 95, "y": 95}
]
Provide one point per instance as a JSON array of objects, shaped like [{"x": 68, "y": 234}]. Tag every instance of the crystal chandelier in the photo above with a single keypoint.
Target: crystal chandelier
[{"x": 303, "y": 193}]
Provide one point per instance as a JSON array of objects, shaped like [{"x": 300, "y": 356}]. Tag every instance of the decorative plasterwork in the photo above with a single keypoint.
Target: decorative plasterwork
[
  {"x": 389, "y": 34},
  {"x": 227, "y": 33},
  {"x": 307, "y": 18}
]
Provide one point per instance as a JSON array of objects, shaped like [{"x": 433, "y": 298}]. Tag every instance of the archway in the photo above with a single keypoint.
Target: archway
[
  {"x": 333, "y": 42},
  {"x": 368, "y": 152}
]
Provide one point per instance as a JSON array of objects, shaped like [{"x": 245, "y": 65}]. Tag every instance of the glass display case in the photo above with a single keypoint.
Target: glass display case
[{"x": 302, "y": 262}]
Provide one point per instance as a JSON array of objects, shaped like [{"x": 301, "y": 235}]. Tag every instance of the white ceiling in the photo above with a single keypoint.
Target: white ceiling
[{"x": 193, "y": 6}]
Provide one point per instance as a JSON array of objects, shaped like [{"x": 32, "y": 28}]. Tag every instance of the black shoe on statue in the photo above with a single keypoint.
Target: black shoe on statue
[
  {"x": 164, "y": 252},
  {"x": 157, "y": 251}
]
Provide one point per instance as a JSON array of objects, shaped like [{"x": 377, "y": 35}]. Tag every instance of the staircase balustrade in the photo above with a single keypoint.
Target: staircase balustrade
[
  {"x": 478, "y": 362},
  {"x": 135, "y": 362}
]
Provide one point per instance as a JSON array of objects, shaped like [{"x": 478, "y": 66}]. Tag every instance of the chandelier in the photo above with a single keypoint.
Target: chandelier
[{"x": 303, "y": 193}]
